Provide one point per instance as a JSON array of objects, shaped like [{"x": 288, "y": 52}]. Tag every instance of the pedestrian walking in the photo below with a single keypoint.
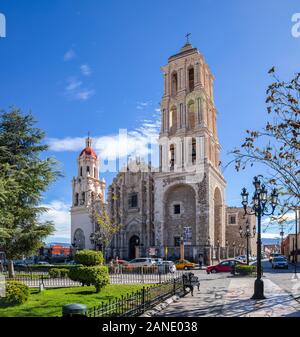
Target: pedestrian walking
[{"x": 200, "y": 261}]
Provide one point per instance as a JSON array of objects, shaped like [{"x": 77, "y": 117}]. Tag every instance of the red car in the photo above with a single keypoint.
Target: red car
[{"x": 224, "y": 266}]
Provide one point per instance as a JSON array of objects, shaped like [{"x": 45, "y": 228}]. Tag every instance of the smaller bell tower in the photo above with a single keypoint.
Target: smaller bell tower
[{"x": 85, "y": 187}]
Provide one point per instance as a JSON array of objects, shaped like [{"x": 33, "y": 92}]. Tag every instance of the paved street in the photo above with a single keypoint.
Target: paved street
[{"x": 229, "y": 296}]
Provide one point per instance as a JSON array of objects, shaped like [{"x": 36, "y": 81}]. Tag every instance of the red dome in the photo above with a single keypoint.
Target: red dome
[{"x": 88, "y": 151}]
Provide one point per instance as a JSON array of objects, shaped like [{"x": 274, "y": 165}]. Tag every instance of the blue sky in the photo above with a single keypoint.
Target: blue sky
[{"x": 94, "y": 66}]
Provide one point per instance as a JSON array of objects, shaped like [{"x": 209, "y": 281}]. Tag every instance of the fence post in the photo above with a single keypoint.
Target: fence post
[{"x": 143, "y": 300}]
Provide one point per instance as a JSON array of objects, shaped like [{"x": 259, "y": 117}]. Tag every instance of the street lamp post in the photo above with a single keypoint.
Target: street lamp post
[
  {"x": 234, "y": 252},
  {"x": 259, "y": 209},
  {"x": 247, "y": 235}
]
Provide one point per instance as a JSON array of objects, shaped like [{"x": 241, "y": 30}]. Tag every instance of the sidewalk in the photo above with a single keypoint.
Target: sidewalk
[{"x": 230, "y": 297}]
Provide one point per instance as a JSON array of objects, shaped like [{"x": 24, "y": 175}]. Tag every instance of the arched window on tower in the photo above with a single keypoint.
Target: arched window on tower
[
  {"x": 80, "y": 171},
  {"x": 194, "y": 156},
  {"x": 88, "y": 170},
  {"x": 191, "y": 79},
  {"x": 172, "y": 156},
  {"x": 76, "y": 199},
  {"x": 95, "y": 172},
  {"x": 174, "y": 83},
  {"x": 82, "y": 200}
]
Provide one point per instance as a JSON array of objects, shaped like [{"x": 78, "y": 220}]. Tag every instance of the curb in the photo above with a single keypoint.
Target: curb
[{"x": 161, "y": 306}]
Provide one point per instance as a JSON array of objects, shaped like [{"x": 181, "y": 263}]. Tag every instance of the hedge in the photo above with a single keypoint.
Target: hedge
[
  {"x": 88, "y": 257},
  {"x": 15, "y": 293},
  {"x": 96, "y": 275},
  {"x": 245, "y": 269},
  {"x": 58, "y": 272}
]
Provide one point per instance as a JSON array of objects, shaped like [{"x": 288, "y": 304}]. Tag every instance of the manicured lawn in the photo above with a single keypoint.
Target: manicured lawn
[{"x": 50, "y": 301}]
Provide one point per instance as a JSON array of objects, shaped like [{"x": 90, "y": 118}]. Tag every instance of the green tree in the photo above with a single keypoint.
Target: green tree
[
  {"x": 26, "y": 176},
  {"x": 105, "y": 227},
  {"x": 277, "y": 144}
]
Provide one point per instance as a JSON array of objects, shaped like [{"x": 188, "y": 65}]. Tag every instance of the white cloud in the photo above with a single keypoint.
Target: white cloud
[
  {"x": 143, "y": 105},
  {"x": 59, "y": 213},
  {"x": 85, "y": 70},
  {"x": 84, "y": 94},
  {"x": 69, "y": 55},
  {"x": 73, "y": 84},
  {"x": 75, "y": 91},
  {"x": 270, "y": 236},
  {"x": 114, "y": 146}
]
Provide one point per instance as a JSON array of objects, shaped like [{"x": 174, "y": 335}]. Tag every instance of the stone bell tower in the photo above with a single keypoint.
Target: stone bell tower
[
  {"x": 189, "y": 189},
  {"x": 85, "y": 187}
]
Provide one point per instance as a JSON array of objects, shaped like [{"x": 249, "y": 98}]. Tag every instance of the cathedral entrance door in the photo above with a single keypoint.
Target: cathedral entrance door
[{"x": 134, "y": 243}]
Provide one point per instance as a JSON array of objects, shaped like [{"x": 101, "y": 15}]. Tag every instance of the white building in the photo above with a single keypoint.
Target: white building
[{"x": 84, "y": 186}]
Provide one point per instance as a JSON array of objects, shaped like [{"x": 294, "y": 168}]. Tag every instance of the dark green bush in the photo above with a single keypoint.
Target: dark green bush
[
  {"x": 95, "y": 275},
  {"x": 88, "y": 257},
  {"x": 58, "y": 272},
  {"x": 15, "y": 293}
]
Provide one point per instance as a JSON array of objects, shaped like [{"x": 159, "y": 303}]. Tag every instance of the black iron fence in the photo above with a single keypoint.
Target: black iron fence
[
  {"x": 136, "y": 303},
  {"x": 155, "y": 274},
  {"x": 119, "y": 275},
  {"x": 45, "y": 281}
]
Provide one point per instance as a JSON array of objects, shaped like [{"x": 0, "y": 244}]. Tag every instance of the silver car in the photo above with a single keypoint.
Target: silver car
[{"x": 279, "y": 262}]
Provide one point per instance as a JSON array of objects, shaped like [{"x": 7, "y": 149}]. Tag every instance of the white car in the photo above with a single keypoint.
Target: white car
[{"x": 142, "y": 262}]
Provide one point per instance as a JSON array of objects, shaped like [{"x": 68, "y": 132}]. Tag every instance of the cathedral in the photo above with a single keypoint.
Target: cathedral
[{"x": 181, "y": 201}]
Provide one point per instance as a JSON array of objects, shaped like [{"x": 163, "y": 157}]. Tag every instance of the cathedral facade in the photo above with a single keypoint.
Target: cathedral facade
[
  {"x": 182, "y": 201},
  {"x": 185, "y": 198}
]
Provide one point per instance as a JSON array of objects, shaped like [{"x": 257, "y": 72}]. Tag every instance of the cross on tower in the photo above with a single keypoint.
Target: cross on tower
[{"x": 187, "y": 37}]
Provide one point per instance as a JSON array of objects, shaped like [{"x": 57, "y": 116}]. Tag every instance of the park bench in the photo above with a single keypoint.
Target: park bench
[{"x": 190, "y": 281}]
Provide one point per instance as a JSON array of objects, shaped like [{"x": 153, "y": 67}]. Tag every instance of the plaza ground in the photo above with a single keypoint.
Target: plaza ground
[{"x": 224, "y": 295}]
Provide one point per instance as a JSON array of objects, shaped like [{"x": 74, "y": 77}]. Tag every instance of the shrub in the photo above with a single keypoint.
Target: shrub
[
  {"x": 58, "y": 272},
  {"x": 245, "y": 269},
  {"x": 15, "y": 293},
  {"x": 88, "y": 257},
  {"x": 95, "y": 275}
]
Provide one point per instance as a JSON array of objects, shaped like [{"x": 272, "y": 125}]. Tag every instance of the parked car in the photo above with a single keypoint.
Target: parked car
[
  {"x": 184, "y": 264},
  {"x": 44, "y": 263},
  {"x": 242, "y": 258},
  {"x": 280, "y": 262},
  {"x": 225, "y": 266},
  {"x": 167, "y": 267},
  {"x": 273, "y": 255},
  {"x": 120, "y": 261},
  {"x": 158, "y": 260},
  {"x": 141, "y": 262}
]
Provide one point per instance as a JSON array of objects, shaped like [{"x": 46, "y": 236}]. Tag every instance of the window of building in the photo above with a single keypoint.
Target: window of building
[
  {"x": 88, "y": 170},
  {"x": 133, "y": 200},
  {"x": 80, "y": 171},
  {"x": 232, "y": 219},
  {"x": 95, "y": 172},
  {"x": 76, "y": 199},
  {"x": 191, "y": 79},
  {"x": 194, "y": 150},
  {"x": 174, "y": 83},
  {"x": 172, "y": 156},
  {"x": 82, "y": 198},
  {"x": 176, "y": 209},
  {"x": 177, "y": 241}
]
